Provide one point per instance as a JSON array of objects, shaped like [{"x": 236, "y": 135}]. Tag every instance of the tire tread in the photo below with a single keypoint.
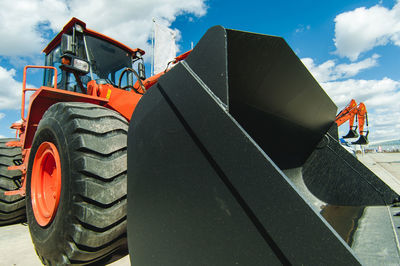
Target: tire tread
[{"x": 12, "y": 208}]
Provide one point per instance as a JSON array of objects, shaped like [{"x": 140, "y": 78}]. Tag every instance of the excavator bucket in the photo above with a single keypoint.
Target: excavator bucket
[
  {"x": 234, "y": 159},
  {"x": 362, "y": 140},
  {"x": 351, "y": 134}
]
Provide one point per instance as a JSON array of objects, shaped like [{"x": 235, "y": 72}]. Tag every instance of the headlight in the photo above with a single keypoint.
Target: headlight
[
  {"x": 71, "y": 63},
  {"x": 81, "y": 65}
]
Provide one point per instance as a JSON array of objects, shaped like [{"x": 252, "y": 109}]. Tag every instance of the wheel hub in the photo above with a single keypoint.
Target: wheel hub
[{"x": 46, "y": 183}]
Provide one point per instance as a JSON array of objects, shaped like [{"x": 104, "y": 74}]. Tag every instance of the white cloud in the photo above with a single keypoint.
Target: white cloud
[
  {"x": 356, "y": 32},
  {"x": 28, "y": 25},
  {"x": 362, "y": 29},
  {"x": 10, "y": 89},
  {"x": 2, "y": 115},
  {"x": 386, "y": 126},
  {"x": 382, "y": 93},
  {"x": 381, "y": 97},
  {"x": 329, "y": 70},
  {"x": 24, "y": 21},
  {"x": 302, "y": 28}
]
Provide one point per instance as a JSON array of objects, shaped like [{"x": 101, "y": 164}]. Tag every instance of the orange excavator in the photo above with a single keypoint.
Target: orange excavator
[{"x": 349, "y": 113}]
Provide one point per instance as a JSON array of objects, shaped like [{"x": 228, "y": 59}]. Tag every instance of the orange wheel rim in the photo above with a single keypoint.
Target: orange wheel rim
[{"x": 46, "y": 183}]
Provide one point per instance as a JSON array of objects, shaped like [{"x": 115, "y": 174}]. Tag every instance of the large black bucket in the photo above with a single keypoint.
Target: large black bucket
[{"x": 233, "y": 159}]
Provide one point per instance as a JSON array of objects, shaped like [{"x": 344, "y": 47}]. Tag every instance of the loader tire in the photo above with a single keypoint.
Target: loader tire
[
  {"x": 12, "y": 208},
  {"x": 87, "y": 147}
]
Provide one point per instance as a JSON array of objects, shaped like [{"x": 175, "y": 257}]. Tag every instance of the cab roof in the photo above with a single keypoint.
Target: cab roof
[{"x": 67, "y": 28}]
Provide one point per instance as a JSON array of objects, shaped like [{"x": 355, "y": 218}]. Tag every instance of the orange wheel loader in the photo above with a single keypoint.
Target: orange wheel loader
[{"x": 225, "y": 159}]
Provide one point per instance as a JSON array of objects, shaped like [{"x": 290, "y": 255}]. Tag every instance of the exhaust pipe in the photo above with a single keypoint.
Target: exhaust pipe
[{"x": 233, "y": 158}]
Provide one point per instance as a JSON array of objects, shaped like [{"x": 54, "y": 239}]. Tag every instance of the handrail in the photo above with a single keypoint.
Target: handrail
[{"x": 24, "y": 89}]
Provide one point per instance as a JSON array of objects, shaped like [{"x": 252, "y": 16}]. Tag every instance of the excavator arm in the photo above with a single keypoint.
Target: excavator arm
[{"x": 362, "y": 117}]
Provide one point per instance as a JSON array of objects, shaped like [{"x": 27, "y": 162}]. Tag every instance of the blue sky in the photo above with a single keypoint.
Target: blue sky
[{"x": 351, "y": 47}]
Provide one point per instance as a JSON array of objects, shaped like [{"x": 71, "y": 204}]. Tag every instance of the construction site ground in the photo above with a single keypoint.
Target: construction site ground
[{"x": 16, "y": 246}]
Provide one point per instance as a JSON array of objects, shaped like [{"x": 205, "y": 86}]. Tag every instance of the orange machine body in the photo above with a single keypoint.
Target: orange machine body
[
  {"x": 106, "y": 95},
  {"x": 124, "y": 102}
]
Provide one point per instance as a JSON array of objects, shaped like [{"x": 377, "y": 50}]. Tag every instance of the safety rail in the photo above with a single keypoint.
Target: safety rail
[{"x": 25, "y": 89}]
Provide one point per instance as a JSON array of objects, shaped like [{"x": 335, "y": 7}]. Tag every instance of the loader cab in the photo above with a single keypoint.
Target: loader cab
[{"x": 82, "y": 55}]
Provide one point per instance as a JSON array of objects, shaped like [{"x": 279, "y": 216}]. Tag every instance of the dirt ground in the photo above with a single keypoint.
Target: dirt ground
[{"x": 16, "y": 246}]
